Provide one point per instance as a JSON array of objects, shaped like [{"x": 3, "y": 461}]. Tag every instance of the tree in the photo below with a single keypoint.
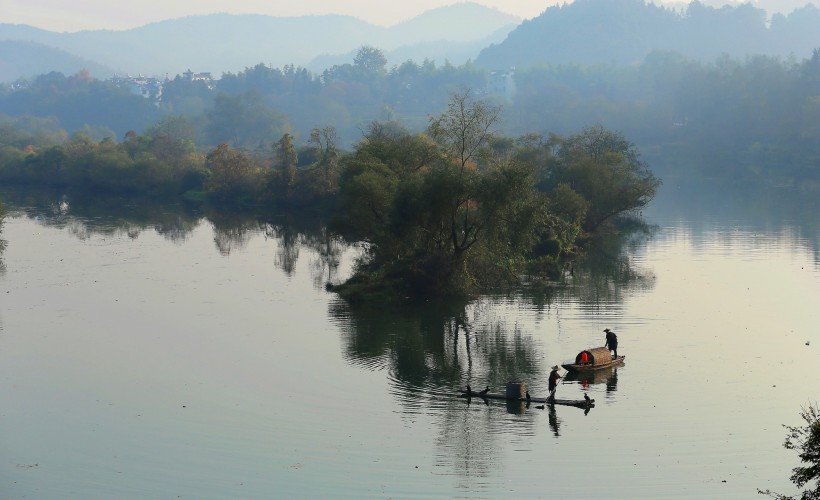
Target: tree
[
  {"x": 604, "y": 168},
  {"x": 322, "y": 142},
  {"x": 444, "y": 215},
  {"x": 244, "y": 121},
  {"x": 806, "y": 440},
  {"x": 230, "y": 173},
  {"x": 464, "y": 128},
  {"x": 387, "y": 157},
  {"x": 283, "y": 175},
  {"x": 461, "y": 132},
  {"x": 369, "y": 60}
]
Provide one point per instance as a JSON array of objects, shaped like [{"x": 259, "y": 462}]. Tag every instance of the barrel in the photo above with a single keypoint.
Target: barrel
[{"x": 516, "y": 390}]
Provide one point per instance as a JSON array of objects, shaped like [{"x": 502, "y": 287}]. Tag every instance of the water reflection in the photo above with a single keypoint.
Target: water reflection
[
  {"x": 84, "y": 217},
  {"x": 87, "y": 217},
  {"x": 288, "y": 253},
  {"x": 438, "y": 347},
  {"x": 555, "y": 423},
  {"x": 608, "y": 376},
  {"x": 783, "y": 213},
  {"x": 607, "y": 273},
  {"x": 232, "y": 231}
]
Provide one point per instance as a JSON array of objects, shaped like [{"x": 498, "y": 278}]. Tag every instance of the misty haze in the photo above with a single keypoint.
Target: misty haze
[{"x": 246, "y": 255}]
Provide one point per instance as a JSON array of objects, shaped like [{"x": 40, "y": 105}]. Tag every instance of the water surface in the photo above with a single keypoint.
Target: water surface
[{"x": 164, "y": 353}]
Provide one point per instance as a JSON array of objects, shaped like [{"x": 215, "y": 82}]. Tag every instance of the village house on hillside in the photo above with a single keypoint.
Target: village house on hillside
[
  {"x": 501, "y": 84},
  {"x": 200, "y": 77},
  {"x": 148, "y": 87},
  {"x": 151, "y": 87}
]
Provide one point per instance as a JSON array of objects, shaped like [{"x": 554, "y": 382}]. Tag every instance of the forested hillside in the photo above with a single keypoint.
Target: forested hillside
[
  {"x": 28, "y": 59},
  {"x": 625, "y": 31},
  {"x": 749, "y": 120}
]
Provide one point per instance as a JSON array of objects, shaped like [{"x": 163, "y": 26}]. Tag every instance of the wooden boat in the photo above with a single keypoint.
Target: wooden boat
[
  {"x": 580, "y": 403},
  {"x": 598, "y": 359}
]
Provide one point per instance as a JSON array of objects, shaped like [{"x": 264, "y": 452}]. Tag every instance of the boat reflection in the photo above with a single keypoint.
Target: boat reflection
[{"x": 608, "y": 376}]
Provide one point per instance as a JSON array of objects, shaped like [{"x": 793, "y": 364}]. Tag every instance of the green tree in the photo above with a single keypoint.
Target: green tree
[
  {"x": 369, "y": 60},
  {"x": 322, "y": 143},
  {"x": 464, "y": 128},
  {"x": 806, "y": 440},
  {"x": 230, "y": 173},
  {"x": 444, "y": 216},
  {"x": 604, "y": 168},
  {"x": 244, "y": 121},
  {"x": 281, "y": 178},
  {"x": 368, "y": 183},
  {"x": 461, "y": 132}
]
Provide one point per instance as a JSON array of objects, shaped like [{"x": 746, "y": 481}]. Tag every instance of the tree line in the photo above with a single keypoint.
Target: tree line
[
  {"x": 751, "y": 121},
  {"x": 454, "y": 209}
]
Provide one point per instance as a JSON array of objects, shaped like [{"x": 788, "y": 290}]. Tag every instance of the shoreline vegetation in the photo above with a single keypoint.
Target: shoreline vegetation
[
  {"x": 453, "y": 211},
  {"x": 450, "y": 197}
]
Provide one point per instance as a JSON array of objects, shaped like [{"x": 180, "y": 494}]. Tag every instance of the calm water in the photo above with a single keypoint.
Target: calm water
[{"x": 166, "y": 354}]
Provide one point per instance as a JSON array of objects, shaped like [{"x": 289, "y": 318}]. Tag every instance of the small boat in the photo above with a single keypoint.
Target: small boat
[
  {"x": 580, "y": 403},
  {"x": 598, "y": 358}
]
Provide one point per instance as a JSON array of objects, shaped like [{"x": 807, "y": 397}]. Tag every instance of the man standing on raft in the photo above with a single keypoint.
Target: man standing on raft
[
  {"x": 611, "y": 342},
  {"x": 553, "y": 382}
]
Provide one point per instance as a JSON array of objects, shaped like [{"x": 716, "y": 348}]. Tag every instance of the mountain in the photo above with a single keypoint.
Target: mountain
[
  {"x": 461, "y": 22},
  {"x": 20, "y": 59},
  {"x": 222, "y": 43},
  {"x": 439, "y": 51},
  {"x": 626, "y": 31}
]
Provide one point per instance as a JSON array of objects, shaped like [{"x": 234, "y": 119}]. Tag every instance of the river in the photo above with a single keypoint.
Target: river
[{"x": 160, "y": 352}]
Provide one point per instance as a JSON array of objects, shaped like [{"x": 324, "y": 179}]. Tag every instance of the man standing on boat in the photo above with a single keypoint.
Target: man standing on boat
[
  {"x": 553, "y": 382},
  {"x": 611, "y": 342}
]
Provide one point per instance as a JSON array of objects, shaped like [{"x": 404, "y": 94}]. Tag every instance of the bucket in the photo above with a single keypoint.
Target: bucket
[{"x": 516, "y": 390}]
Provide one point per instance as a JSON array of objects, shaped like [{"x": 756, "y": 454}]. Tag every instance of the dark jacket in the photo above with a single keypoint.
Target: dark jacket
[{"x": 611, "y": 340}]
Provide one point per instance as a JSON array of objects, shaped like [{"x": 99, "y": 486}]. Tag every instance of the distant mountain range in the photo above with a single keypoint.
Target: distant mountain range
[
  {"x": 21, "y": 58},
  {"x": 625, "y": 31},
  {"x": 581, "y": 32},
  {"x": 222, "y": 43}
]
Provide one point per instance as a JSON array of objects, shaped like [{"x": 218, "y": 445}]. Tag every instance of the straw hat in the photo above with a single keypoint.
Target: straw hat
[{"x": 555, "y": 367}]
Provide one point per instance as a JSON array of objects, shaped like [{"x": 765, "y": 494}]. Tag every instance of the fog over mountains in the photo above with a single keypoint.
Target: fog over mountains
[
  {"x": 221, "y": 43},
  {"x": 581, "y": 32},
  {"x": 625, "y": 31}
]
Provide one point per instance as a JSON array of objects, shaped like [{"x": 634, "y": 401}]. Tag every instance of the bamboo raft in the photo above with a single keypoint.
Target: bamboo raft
[{"x": 580, "y": 403}]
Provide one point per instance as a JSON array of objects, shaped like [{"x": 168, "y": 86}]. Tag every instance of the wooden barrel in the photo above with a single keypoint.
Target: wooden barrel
[{"x": 516, "y": 390}]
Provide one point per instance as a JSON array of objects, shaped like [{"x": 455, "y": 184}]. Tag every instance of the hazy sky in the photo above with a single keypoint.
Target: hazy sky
[{"x": 75, "y": 15}]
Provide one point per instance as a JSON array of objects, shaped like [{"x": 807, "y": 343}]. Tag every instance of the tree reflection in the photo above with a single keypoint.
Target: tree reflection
[
  {"x": 448, "y": 344},
  {"x": 293, "y": 234},
  {"x": 432, "y": 350},
  {"x": 85, "y": 217},
  {"x": 328, "y": 249},
  {"x": 605, "y": 274},
  {"x": 288, "y": 252},
  {"x": 89, "y": 217},
  {"x": 232, "y": 231}
]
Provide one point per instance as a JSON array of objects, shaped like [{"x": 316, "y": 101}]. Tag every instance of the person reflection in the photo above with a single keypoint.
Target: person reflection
[
  {"x": 555, "y": 424},
  {"x": 612, "y": 381}
]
